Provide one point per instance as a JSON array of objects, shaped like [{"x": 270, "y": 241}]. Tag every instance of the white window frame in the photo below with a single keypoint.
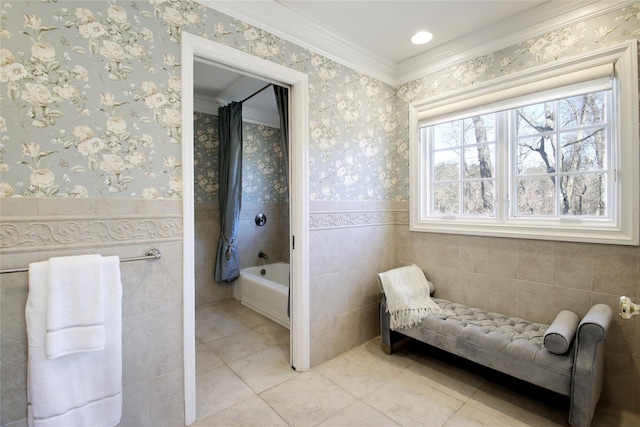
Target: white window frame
[{"x": 622, "y": 228}]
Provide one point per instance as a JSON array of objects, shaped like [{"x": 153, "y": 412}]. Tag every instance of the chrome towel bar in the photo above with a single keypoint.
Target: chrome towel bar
[{"x": 152, "y": 254}]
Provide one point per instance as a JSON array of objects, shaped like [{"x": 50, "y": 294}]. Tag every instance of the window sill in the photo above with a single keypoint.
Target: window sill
[{"x": 583, "y": 231}]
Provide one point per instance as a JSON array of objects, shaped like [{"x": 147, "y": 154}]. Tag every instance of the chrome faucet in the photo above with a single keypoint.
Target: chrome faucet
[{"x": 263, "y": 256}]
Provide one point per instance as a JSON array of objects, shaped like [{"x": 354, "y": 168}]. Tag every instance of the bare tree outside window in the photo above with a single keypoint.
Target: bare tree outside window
[
  {"x": 560, "y": 160},
  {"x": 463, "y": 160},
  {"x": 561, "y": 157},
  {"x": 550, "y": 153}
]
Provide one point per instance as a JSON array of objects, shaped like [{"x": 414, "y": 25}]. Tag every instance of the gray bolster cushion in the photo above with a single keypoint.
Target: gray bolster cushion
[
  {"x": 560, "y": 333},
  {"x": 432, "y": 287}
]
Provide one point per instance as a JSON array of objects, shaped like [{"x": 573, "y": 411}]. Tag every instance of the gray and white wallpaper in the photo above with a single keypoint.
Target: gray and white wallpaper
[
  {"x": 91, "y": 98},
  {"x": 206, "y": 186},
  {"x": 263, "y": 168},
  {"x": 91, "y": 103},
  {"x": 264, "y": 178},
  {"x": 565, "y": 42},
  {"x": 90, "y": 107}
]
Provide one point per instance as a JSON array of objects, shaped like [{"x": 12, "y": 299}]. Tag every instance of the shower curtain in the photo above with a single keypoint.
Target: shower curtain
[
  {"x": 230, "y": 175},
  {"x": 282, "y": 100}
]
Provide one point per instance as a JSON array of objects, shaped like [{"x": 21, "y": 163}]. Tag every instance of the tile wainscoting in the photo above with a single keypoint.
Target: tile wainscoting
[
  {"x": 272, "y": 238},
  {"x": 535, "y": 279},
  {"x": 350, "y": 243},
  {"x": 37, "y": 229}
]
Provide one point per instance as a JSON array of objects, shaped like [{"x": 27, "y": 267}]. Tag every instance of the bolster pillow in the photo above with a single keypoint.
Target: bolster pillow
[{"x": 560, "y": 333}]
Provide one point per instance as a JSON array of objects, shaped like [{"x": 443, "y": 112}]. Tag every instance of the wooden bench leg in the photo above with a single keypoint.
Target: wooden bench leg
[{"x": 387, "y": 349}]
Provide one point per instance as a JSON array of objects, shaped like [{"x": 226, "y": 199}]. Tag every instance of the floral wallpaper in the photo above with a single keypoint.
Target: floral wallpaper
[
  {"x": 90, "y": 101},
  {"x": 263, "y": 168},
  {"x": 89, "y": 108},
  {"x": 264, "y": 177},
  {"x": 569, "y": 41},
  {"x": 206, "y": 185}
]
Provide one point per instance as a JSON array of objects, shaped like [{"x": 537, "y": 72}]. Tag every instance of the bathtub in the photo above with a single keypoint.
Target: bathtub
[{"x": 265, "y": 290}]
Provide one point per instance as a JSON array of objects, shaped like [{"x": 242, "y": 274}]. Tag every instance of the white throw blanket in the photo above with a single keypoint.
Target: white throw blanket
[
  {"x": 82, "y": 388},
  {"x": 407, "y": 292}
]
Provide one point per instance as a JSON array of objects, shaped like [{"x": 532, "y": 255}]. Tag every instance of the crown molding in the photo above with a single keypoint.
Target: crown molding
[
  {"x": 292, "y": 26},
  {"x": 205, "y": 104},
  {"x": 208, "y": 105},
  {"x": 288, "y": 24},
  {"x": 553, "y": 16}
]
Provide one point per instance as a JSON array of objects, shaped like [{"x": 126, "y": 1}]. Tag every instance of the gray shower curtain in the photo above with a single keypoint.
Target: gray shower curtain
[
  {"x": 282, "y": 100},
  {"x": 230, "y": 176}
]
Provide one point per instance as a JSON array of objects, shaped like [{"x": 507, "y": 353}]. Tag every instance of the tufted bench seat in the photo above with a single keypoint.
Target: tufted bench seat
[
  {"x": 516, "y": 341},
  {"x": 515, "y": 347}
]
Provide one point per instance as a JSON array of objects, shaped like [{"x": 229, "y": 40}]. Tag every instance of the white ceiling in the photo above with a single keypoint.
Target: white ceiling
[
  {"x": 384, "y": 28},
  {"x": 214, "y": 86},
  {"x": 372, "y": 36}
]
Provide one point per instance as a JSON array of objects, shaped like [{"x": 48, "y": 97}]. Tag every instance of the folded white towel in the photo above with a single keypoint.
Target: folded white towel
[
  {"x": 407, "y": 292},
  {"x": 79, "y": 389},
  {"x": 75, "y": 305}
]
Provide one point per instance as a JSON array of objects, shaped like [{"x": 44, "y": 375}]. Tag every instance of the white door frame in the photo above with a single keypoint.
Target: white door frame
[{"x": 194, "y": 46}]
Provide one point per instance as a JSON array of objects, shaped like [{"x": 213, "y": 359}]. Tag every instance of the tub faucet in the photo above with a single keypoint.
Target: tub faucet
[{"x": 263, "y": 256}]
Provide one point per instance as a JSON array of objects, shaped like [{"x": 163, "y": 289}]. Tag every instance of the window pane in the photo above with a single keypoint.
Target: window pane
[
  {"x": 461, "y": 151},
  {"x": 534, "y": 119},
  {"x": 560, "y": 146},
  {"x": 541, "y": 155},
  {"x": 583, "y": 150},
  {"x": 582, "y": 110},
  {"x": 478, "y": 198},
  {"x": 447, "y": 135},
  {"x": 479, "y": 162},
  {"x": 446, "y": 198},
  {"x": 536, "y": 155},
  {"x": 583, "y": 194},
  {"x": 536, "y": 196},
  {"x": 446, "y": 165},
  {"x": 479, "y": 129}
]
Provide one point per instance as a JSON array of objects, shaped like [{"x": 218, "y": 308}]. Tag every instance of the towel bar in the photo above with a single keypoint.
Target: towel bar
[{"x": 152, "y": 254}]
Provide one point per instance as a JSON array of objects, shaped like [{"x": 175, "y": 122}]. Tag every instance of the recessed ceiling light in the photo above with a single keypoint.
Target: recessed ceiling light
[{"x": 421, "y": 37}]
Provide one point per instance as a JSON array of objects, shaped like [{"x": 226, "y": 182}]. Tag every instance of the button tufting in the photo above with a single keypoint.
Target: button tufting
[{"x": 512, "y": 327}]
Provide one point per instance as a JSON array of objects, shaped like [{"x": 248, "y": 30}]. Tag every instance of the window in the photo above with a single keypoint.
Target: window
[
  {"x": 549, "y": 154},
  {"x": 461, "y": 166},
  {"x": 561, "y": 165}
]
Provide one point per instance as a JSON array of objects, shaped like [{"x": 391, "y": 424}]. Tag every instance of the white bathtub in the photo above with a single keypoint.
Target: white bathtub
[{"x": 265, "y": 289}]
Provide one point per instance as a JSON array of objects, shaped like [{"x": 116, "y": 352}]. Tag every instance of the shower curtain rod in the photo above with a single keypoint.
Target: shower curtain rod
[{"x": 255, "y": 93}]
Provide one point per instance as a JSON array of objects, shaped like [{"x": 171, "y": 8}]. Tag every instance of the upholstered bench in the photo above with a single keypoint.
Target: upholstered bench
[{"x": 545, "y": 355}]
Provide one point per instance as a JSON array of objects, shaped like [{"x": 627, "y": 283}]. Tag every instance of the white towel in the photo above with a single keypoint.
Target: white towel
[
  {"x": 407, "y": 292},
  {"x": 75, "y": 305},
  {"x": 80, "y": 389}
]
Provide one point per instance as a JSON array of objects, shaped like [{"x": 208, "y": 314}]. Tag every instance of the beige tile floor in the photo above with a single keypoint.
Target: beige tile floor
[{"x": 244, "y": 379}]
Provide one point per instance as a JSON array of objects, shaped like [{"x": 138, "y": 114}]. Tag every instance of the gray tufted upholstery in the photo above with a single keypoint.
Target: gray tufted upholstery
[
  {"x": 514, "y": 327},
  {"x": 515, "y": 347},
  {"x": 509, "y": 344}
]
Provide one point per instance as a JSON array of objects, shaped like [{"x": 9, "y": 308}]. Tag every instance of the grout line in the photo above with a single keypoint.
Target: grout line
[
  {"x": 231, "y": 313},
  {"x": 402, "y": 364}
]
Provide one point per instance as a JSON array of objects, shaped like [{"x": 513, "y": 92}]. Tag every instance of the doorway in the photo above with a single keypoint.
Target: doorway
[
  {"x": 197, "y": 47},
  {"x": 262, "y": 227}
]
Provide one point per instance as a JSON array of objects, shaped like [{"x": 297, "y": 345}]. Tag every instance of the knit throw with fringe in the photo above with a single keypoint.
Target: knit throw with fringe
[{"x": 407, "y": 292}]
